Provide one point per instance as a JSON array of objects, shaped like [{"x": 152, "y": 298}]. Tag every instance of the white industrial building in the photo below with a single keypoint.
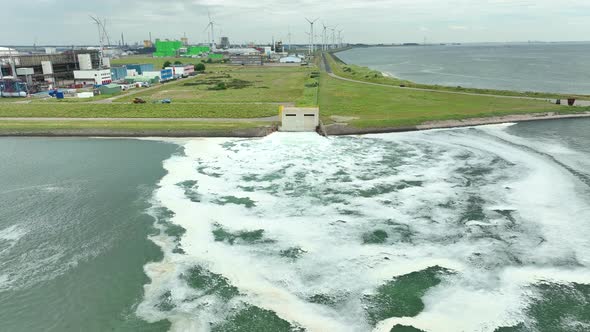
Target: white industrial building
[
  {"x": 93, "y": 76},
  {"x": 290, "y": 59},
  {"x": 5, "y": 51}
]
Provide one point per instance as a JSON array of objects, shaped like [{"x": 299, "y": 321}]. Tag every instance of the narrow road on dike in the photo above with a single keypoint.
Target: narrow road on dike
[{"x": 326, "y": 66}]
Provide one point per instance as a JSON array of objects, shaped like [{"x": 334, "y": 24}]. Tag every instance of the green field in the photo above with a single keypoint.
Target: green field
[
  {"x": 79, "y": 110},
  {"x": 234, "y": 85},
  {"x": 247, "y": 92},
  {"x": 126, "y": 126},
  {"x": 235, "y": 92},
  {"x": 381, "y": 106}
]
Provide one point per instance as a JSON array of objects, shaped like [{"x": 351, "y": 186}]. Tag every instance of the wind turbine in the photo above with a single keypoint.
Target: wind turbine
[
  {"x": 311, "y": 42},
  {"x": 324, "y": 38},
  {"x": 289, "y": 38},
  {"x": 100, "y": 38},
  {"x": 105, "y": 34},
  {"x": 340, "y": 38},
  {"x": 211, "y": 26},
  {"x": 334, "y": 37}
]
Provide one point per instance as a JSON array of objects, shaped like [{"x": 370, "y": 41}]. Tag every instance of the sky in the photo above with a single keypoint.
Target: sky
[{"x": 67, "y": 22}]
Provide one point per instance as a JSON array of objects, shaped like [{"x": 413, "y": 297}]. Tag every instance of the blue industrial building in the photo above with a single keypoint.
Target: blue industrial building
[
  {"x": 118, "y": 73},
  {"x": 140, "y": 68}
]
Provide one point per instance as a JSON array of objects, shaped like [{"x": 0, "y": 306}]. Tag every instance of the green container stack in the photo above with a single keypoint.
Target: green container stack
[
  {"x": 167, "y": 48},
  {"x": 198, "y": 50}
]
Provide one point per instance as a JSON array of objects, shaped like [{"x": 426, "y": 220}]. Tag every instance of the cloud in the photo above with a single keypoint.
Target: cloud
[{"x": 373, "y": 21}]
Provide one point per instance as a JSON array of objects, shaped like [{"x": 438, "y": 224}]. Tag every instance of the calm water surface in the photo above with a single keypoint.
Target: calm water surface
[{"x": 522, "y": 67}]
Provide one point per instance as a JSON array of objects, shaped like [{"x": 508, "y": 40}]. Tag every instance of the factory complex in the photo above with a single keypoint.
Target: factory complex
[{"x": 25, "y": 72}]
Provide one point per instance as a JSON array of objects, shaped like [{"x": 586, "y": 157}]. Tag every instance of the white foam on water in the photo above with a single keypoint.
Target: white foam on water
[
  {"x": 323, "y": 195},
  {"x": 12, "y": 233}
]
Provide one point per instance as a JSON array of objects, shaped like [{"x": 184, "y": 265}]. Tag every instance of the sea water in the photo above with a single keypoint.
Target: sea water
[
  {"x": 473, "y": 229},
  {"x": 546, "y": 67}
]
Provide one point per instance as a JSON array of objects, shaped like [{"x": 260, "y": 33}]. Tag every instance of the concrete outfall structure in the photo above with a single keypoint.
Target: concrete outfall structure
[{"x": 298, "y": 119}]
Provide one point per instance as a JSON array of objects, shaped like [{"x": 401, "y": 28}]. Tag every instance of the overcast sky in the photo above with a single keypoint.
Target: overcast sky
[{"x": 368, "y": 21}]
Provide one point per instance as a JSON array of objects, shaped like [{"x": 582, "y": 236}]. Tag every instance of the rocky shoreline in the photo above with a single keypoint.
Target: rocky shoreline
[
  {"x": 335, "y": 129},
  {"x": 339, "y": 129}
]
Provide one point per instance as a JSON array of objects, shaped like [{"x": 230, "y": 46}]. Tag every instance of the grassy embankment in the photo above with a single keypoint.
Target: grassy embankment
[
  {"x": 367, "y": 106},
  {"x": 373, "y": 76},
  {"x": 129, "y": 127},
  {"x": 222, "y": 92}
]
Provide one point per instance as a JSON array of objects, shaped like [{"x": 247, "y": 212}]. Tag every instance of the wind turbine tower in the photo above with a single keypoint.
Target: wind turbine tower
[
  {"x": 325, "y": 38},
  {"x": 333, "y": 38},
  {"x": 211, "y": 26},
  {"x": 311, "y": 41}
]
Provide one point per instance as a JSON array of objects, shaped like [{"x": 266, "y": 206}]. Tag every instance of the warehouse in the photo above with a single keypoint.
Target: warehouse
[
  {"x": 140, "y": 68},
  {"x": 93, "y": 77},
  {"x": 47, "y": 68},
  {"x": 246, "y": 60},
  {"x": 109, "y": 89},
  {"x": 182, "y": 70},
  {"x": 290, "y": 59},
  {"x": 118, "y": 73}
]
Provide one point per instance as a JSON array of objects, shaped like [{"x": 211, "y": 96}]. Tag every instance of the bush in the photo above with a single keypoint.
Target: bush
[
  {"x": 177, "y": 62},
  {"x": 200, "y": 67},
  {"x": 167, "y": 64},
  {"x": 219, "y": 86}
]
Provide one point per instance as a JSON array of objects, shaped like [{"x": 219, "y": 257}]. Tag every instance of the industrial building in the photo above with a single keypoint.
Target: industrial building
[
  {"x": 92, "y": 77},
  {"x": 182, "y": 70},
  {"x": 109, "y": 89},
  {"x": 118, "y": 73},
  {"x": 56, "y": 69},
  {"x": 224, "y": 43},
  {"x": 291, "y": 59},
  {"x": 246, "y": 59},
  {"x": 140, "y": 68}
]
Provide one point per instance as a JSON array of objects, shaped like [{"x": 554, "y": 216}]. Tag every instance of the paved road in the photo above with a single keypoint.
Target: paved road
[
  {"x": 267, "y": 119},
  {"x": 326, "y": 66}
]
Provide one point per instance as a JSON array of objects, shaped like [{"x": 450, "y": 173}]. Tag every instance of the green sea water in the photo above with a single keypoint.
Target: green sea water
[
  {"x": 474, "y": 229},
  {"x": 73, "y": 232}
]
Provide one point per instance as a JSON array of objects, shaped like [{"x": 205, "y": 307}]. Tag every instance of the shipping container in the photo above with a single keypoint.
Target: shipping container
[{"x": 166, "y": 74}]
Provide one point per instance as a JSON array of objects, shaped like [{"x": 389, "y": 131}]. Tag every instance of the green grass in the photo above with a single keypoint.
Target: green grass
[
  {"x": 382, "y": 106},
  {"x": 368, "y": 75},
  {"x": 78, "y": 110},
  {"x": 311, "y": 92},
  {"x": 244, "y": 85},
  {"x": 130, "y": 126}
]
